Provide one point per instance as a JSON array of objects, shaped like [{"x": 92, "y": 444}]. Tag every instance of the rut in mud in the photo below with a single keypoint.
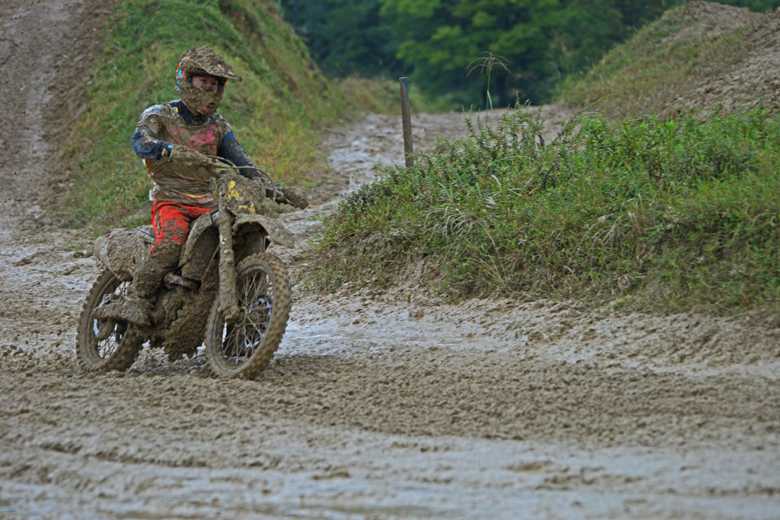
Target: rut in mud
[{"x": 390, "y": 405}]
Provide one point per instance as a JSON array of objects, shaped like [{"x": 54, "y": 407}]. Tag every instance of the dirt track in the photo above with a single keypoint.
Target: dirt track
[{"x": 377, "y": 405}]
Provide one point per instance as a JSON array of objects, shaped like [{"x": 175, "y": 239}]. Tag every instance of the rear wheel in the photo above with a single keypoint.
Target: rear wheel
[
  {"x": 104, "y": 345},
  {"x": 244, "y": 348}
]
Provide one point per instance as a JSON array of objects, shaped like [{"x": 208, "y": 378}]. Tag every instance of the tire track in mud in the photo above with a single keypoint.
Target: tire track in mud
[
  {"x": 379, "y": 402},
  {"x": 377, "y": 405},
  {"x": 428, "y": 392}
]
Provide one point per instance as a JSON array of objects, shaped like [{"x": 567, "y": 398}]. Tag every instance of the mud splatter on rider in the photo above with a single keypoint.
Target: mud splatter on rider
[{"x": 172, "y": 139}]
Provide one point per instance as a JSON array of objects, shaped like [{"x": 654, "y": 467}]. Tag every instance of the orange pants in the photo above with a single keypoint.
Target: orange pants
[{"x": 171, "y": 222}]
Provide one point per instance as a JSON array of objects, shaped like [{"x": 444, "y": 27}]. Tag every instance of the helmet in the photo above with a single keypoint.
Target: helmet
[{"x": 202, "y": 61}]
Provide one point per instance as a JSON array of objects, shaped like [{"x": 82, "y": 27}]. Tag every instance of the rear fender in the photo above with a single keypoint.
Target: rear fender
[{"x": 120, "y": 250}]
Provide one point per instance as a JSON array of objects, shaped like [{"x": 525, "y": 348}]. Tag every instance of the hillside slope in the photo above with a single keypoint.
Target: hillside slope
[
  {"x": 701, "y": 57},
  {"x": 275, "y": 109}
]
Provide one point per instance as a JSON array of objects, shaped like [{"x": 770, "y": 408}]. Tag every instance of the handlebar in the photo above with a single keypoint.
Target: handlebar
[{"x": 272, "y": 190}]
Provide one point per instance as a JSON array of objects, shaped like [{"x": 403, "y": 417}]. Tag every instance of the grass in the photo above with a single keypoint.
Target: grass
[
  {"x": 669, "y": 215},
  {"x": 276, "y": 111},
  {"x": 382, "y": 96},
  {"x": 374, "y": 96},
  {"x": 664, "y": 62}
]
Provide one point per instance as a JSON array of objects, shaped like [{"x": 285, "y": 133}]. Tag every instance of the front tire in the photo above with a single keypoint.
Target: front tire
[
  {"x": 243, "y": 349},
  {"x": 120, "y": 344}
]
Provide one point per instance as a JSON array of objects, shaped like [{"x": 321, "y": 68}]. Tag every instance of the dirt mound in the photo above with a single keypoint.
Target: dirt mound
[
  {"x": 752, "y": 41},
  {"x": 707, "y": 19},
  {"x": 702, "y": 57}
]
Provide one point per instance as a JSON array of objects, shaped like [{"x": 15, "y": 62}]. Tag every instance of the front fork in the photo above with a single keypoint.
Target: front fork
[{"x": 228, "y": 299}]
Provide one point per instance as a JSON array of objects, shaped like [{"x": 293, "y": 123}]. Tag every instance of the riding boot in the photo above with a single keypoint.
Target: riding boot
[{"x": 138, "y": 303}]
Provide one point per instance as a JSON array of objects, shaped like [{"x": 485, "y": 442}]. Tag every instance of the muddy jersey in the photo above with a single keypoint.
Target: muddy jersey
[{"x": 163, "y": 126}]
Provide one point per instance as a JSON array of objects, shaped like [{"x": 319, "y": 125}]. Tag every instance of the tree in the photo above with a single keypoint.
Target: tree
[
  {"x": 344, "y": 36},
  {"x": 539, "y": 40},
  {"x": 473, "y": 52}
]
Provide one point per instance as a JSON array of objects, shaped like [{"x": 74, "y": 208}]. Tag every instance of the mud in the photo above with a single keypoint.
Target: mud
[
  {"x": 377, "y": 405},
  {"x": 750, "y": 78},
  {"x": 753, "y": 80}
]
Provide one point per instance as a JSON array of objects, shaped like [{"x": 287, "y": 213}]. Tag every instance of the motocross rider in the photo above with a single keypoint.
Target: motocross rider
[{"x": 173, "y": 139}]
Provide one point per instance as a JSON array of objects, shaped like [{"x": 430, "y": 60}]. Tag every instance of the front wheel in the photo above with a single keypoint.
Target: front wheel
[
  {"x": 104, "y": 345},
  {"x": 244, "y": 348}
]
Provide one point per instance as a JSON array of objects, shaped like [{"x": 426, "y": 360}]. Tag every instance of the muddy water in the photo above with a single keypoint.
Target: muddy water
[{"x": 378, "y": 405}]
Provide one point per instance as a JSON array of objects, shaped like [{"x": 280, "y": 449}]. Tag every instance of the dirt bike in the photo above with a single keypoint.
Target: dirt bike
[{"x": 228, "y": 293}]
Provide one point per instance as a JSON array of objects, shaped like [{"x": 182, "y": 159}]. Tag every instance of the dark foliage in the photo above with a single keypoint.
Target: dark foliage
[{"x": 473, "y": 52}]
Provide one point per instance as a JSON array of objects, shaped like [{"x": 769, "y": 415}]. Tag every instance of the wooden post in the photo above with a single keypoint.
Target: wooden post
[{"x": 406, "y": 113}]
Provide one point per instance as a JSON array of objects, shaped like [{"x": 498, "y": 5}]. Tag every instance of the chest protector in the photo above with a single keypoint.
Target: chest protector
[{"x": 174, "y": 180}]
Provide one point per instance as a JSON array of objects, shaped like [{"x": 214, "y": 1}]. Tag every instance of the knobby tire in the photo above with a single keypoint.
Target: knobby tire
[
  {"x": 86, "y": 346},
  {"x": 276, "y": 271}
]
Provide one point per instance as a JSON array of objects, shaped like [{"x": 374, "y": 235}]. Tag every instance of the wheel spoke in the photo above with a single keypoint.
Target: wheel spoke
[
  {"x": 106, "y": 347},
  {"x": 241, "y": 339}
]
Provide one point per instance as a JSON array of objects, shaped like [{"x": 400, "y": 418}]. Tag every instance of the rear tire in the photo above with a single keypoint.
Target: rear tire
[
  {"x": 119, "y": 350},
  {"x": 245, "y": 348}
]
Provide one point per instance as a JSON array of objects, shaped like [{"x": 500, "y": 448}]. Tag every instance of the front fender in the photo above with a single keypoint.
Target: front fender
[{"x": 277, "y": 233}]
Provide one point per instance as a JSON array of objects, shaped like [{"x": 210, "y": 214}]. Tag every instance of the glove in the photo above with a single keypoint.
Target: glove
[
  {"x": 166, "y": 151},
  {"x": 294, "y": 198},
  {"x": 185, "y": 154},
  {"x": 284, "y": 195}
]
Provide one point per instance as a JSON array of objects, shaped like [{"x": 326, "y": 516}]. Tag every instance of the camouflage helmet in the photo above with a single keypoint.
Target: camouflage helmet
[{"x": 202, "y": 61}]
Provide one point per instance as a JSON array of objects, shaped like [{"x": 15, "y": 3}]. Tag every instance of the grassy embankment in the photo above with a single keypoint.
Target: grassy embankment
[
  {"x": 656, "y": 214},
  {"x": 276, "y": 110}
]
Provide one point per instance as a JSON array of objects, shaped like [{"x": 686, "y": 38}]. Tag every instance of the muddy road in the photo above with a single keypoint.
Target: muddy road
[{"x": 377, "y": 405}]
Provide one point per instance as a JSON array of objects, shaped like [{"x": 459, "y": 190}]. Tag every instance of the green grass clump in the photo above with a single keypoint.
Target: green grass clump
[
  {"x": 276, "y": 110},
  {"x": 667, "y": 214}
]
